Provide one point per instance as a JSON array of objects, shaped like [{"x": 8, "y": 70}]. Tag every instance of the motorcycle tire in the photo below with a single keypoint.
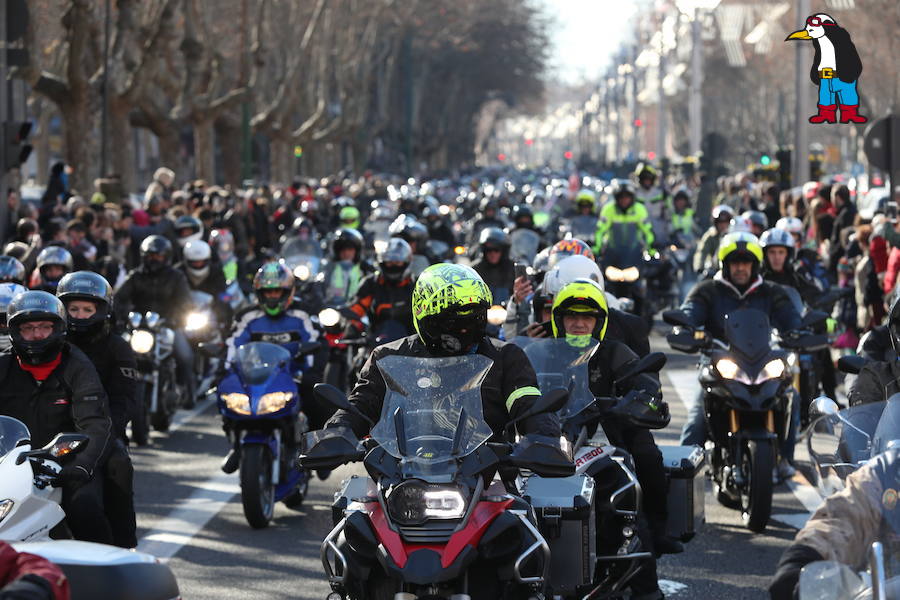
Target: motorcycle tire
[
  {"x": 759, "y": 463},
  {"x": 294, "y": 500},
  {"x": 161, "y": 419},
  {"x": 140, "y": 419},
  {"x": 257, "y": 488}
]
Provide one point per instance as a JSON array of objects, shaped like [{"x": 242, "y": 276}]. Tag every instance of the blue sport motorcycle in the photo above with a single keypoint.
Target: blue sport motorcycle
[{"x": 259, "y": 400}]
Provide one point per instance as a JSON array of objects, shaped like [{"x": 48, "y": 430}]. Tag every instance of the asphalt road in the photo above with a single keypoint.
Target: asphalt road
[{"x": 189, "y": 513}]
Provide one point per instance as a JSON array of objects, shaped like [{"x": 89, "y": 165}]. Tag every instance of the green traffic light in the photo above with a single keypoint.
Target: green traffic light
[{"x": 765, "y": 160}]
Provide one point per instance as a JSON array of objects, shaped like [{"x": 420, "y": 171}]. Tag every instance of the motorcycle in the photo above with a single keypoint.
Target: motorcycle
[
  {"x": 259, "y": 401},
  {"x": 303, "y": 258},
  {"x": 202, "y": 328},
  {"x": 839, "y": 443},
  {"x": 31, "y": 509},
  {"x": 158, "y": 394},
  {"x": 748, "y": 401},
  {"x": 604, "y": 494},
  {"x": 622, "y": 272},
  {"x": 581, "y": 227},
  {"x": 427, "y": 522},
  {"x": 661, "y": 273},
  {"x": 682, "y": 252}
]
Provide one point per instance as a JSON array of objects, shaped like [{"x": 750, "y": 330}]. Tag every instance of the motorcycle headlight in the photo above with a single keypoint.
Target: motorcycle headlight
[
  {"x": 302, "y": 272},
  {"x": 413, "y": 503},
  {"x": 134, "y": 319},
  {"x": 196, "y": 321},
  {"x": 380, "y": 246},
  {"x": 496, "y": 315},
  {"x": 239, "y": 403},
  {"x": 329, "y": 317},
  {"x": 630, "y": 274},
  {"x": 152, "y": 319},
  {"x": 6, "y": 507},
  {"x": 459, "y": 250},
  {"x": 727, "y": 368},
  {"x": 774, "y": 369},
  {"x": 142, "y": 341},
  {"x": 614, "y": 274},
  {"x": 273, "y": 402}
]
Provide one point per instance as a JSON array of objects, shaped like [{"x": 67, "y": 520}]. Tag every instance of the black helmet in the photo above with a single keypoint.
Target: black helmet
[
  {"x": 396, "y": 251},
  {"x": 188, "y": 228},
  {"x": 347, "y": 238},
  {"x": 522, "y": 212},
  {"x": 11, "y": 270},
  {"x": 17, "y": 250},
  {"x": 621, "y": 188},
  {"x": 274, "y": 276},
  {"x": 54, "y": 256},
  {"x": 409, "y": 229},
  {"x": 493, "y": 237},
  {"x": 153, "y": 246},
  {"x": 36, "y": 305},
  {"x": 86, "y": 285}
]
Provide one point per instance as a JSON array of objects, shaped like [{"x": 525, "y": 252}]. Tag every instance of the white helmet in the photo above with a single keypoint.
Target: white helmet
[
  {"x": 568, "y": 270},
  {"x": 196, "y": 251},
  {"x": 792, "y": 225}
]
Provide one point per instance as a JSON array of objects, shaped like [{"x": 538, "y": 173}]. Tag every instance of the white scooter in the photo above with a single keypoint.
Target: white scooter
[{"x": 30, "y": 508}]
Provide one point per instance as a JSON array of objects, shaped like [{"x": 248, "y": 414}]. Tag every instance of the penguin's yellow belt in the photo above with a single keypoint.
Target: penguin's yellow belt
[{"x": 827, "y": 74}]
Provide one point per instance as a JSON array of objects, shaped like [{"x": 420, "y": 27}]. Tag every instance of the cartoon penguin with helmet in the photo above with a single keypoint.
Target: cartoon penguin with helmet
[{"x": 835, "y": 69}]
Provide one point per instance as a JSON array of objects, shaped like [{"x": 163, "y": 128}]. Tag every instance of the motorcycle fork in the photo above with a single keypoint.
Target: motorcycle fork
[{"x": 737, "y": 459}]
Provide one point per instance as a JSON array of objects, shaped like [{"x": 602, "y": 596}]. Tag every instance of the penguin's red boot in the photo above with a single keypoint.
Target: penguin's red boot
[
  {"x": 827, "y": 114},
  {"x": 849, "y": 115}
]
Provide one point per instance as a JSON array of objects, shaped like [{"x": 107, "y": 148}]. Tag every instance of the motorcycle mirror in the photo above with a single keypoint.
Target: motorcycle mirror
[
  {"x": 823, "y": 405},
  {"x": 851, "y": 364},
  {"x": 677, "y": 317},
  {"x": 552, "y": 401},
  {"x": 813, "y": 318},
  {"x": 651, "y": 363},
  {"x": 64, "y": 444},
  {"x": 336, "y": 398}
]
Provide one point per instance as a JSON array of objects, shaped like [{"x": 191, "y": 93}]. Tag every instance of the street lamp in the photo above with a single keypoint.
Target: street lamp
[{"x": 692, "y": 10}]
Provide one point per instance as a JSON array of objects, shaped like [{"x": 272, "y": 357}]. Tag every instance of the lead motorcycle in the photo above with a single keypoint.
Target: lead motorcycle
[
  {"x": 30, "y": 509},
  {"x": 429, "y": 521},
  {"x": 747, "y": 399}
]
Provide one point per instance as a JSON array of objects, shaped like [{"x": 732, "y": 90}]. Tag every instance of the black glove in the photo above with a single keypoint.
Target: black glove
[
  {"x": 784, "y": 584},
  {"x": 72, "y": 475},
  {"x": 29, "y": 587}
]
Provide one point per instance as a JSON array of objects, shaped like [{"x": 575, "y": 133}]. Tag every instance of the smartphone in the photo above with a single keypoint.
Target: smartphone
[
  {"x": 521, "y": 270},
  {"x": 548, "y": 328}
]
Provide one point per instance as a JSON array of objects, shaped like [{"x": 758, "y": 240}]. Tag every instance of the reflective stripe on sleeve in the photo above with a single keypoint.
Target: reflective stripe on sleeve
[{"x": 518, "y": 393}]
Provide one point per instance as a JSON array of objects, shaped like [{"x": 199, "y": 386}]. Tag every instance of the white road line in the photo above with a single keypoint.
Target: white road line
[
  {"x": 685, "y": 383},
  {"x": 796, "y": 520},
  {"x": 671, "y": 588},
  {"x": 805, "y": 492},
  {"x": 174, "y": 531},
  {"x": 182, "y": 417}
]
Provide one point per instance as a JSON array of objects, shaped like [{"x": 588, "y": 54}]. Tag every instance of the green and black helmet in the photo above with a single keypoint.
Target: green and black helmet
[{"x": 450, "y": 304}]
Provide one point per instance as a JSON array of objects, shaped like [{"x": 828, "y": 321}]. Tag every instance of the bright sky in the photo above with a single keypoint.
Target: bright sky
[{"x": 588, "y": 32}]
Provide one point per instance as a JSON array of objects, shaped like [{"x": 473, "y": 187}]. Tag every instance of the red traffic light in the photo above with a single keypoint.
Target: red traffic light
[
  {"x": 651, "y": 155},
  {"x": 638, "y": 122},
  {"x": 568, "y": 155},
  {"x": 529, "y": 142},
  {"x": 501, "y": 157}
]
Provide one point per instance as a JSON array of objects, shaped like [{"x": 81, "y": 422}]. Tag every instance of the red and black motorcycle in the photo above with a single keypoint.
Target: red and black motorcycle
[{"x": 428, "y": 522}]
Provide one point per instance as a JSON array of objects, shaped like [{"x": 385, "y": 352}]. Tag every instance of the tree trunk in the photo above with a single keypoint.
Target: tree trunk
[
  {"x": 43, "y": 144},
  {"x": 120, "y": 151},
  {"x": 76, "y": 130},
  {"x": 229, "y": 138},
  {"x": 204, "y": 149},
  {"x": 281, "y": 157}
]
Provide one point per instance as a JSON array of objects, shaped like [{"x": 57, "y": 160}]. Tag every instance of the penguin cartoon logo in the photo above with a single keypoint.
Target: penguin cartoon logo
[{"x": 835, "y": 69}]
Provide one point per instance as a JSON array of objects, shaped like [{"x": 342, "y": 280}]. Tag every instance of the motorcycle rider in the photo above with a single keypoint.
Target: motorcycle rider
[
  {"x": 407, "y": 228},
  {"x": 438, "y": 228},
  {"x": 738, "y": 284},
  {"x": 158, "y": 287},
  {"x": 349, "y": 217},
  {"x": 653, "y": 198},
  {"x": 879, "y": 380},
  {"x": 705, "y": 255},
  {"x": 580, "y": 314},
  {"x": 681, "y": 221},
  {"x": 11, "y": 270},
  {"x": 277, "y": 319},
  {"x": 8, "y": 291},
  {"x": 26, "y": 576},
  {"x": 385, "y": 297},
  {"x": 623, "y": 219},
  {"x": 343, "y": 274},
  {"x": 758, "y": 220},
  {"x": 494, "y": 266},
  {"x": 87, "y": 297},
  {"x": 490, "y": 217},
  {"x": 52, "y": 387},
  {"x": 450, "y": 304},
  {"x": 52, "y": 263},
  {"x": 188, "y": 229},
  {"x": 778, "y": 267},
  {"x": 204, "y": 275}
]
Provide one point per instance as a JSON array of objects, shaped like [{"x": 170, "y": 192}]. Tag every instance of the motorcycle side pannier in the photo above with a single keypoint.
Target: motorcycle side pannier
[
  {"x": 685, "y": 469},
  {"x": 564, "y": 507}
]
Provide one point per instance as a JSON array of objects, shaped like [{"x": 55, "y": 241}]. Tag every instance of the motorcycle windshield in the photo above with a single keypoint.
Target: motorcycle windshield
[
  {"x": 432, "y": 412},
  {"x": 306, "y": 253},
  {"x": 12, "y": 431},
  {"x": 524, "y": 245},
  {"x": 584, "y": 227},
  {"x": 561, "y": 365},
  {"x": 624, "y": 248},
  {"x": 747, "y": 332},
  {"x": 256, "y": 361}
]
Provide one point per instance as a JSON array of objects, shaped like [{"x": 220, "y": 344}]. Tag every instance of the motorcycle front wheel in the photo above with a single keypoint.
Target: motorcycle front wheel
[
  {"x": 756, "y": 499},
  {"x": 257, "y": 489},
  {"x": 167, "y": 397}
]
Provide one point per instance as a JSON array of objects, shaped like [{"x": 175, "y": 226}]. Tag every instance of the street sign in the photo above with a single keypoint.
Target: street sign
[{"x": 882, "y": 143}]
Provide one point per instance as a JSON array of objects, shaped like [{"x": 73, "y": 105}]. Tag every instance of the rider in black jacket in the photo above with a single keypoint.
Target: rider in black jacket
[
  {"x": 87, "y": 297},
  {"x": 157, "y": 286},
  {"x": 52, "y": 387}
]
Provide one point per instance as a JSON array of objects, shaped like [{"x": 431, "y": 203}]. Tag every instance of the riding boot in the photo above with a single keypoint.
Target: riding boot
[
  {"x": 827, "y": 114},
  {"x": 849, "y": 114}
]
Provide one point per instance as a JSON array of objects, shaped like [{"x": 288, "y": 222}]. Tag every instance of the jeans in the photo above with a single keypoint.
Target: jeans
[
  {"x": 184, "y": 358},
  {"x": 694, "y": 430},
  {"x": 834, "y": 91}
]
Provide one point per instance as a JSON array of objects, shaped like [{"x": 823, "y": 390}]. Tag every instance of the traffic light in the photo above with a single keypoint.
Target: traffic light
[
  {"x": 15, "y": 150},
  {"x": 529, "y": 142},
  {"x": 501, "y": 157},
  {"x": 568, "y": 155},
  {"x": 298, "y": 151},
  {"x": 638, "y": 122},
  {"x": 816, "y": 158},
  {"x": 783, "y": 157},
  {"x": 765, "y": 160}
]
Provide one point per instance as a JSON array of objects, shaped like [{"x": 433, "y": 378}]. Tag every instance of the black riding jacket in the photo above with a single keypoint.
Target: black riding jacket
[{"x": 165, "y": 292}]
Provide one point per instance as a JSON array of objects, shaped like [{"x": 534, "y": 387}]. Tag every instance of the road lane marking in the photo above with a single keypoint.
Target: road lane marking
[
  {"x": 671, "y": 588},
  {"x": 176, "y": 530},
  {"x": 183, "y": 417},
  {"x": 685, "y": 383}
]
